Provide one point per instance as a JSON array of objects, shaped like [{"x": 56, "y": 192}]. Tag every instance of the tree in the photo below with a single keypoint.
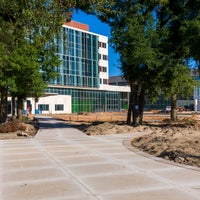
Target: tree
[
  {"x": 155, "y": 40},
  {"x": 30, "y": 26},
  {"x": 181, "y": 85},
  {"x": 175, "y": 18},
  {"x": 24, "y": 62},
  {"x": 27, "y": 47},
  {"x": 3, "y": 83},
  {"x": 135, "y": 38}
]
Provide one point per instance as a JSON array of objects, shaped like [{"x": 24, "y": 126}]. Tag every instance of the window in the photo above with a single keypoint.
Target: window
[
  {"x": 43, "y": 107},
  {"x": 102, "y": 44},
  {"x": 105, "y": 81},
  {"x": 59, "y": 107},
  {"x": 105, "y": 57},
  {"x": 102, "y": 69}
]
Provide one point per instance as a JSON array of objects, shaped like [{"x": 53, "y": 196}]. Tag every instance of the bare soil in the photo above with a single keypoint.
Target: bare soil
[
  {"x": 178, "y": 141},
  {"x": 32, "y": 127}
]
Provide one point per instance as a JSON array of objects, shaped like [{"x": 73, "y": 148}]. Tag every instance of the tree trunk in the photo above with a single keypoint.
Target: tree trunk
[
  {"x": 136, "y": 118},
  {"x": 3, "y": 104},
  {"x": 141, "y": 105},
  {"x": 131, "y": 104},
  {"x": 135, "y": 105},
  {"x": 20, "y": 107},
  {"x": 13, "y": 106},
  {"x": 128, "y": 121},
  {"x": 173, "y": 108}
]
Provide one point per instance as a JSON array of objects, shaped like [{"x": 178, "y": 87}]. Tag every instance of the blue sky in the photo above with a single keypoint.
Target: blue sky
[{"x": 96, "y": 26}]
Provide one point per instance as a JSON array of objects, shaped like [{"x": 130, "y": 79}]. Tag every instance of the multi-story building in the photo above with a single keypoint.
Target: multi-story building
[{"x": 82, "y": 82}]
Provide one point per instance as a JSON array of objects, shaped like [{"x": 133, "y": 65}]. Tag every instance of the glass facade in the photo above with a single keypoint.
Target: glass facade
[
  {"x": 160, "y": 104},
  {"x": 78, "y": 52},
  {"x": 79, "y": 73},
  {"x": 85, "y": 100}
]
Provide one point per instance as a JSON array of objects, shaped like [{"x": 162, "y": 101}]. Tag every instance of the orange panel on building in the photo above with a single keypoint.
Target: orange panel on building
[{"x": 78, "y": 25}]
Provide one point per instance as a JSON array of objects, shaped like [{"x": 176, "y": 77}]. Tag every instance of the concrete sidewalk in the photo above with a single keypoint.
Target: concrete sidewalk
[{"x": 61, "y": 163}]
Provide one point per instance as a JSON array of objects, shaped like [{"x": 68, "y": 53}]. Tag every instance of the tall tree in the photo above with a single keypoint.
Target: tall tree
[
  {"x": 174, "y": 18},
  {"x": 135, "y": 38},
  {"x": 24, "y": 62},
  {"x": 3, "y": 83},
  {"x": 180, "y": 83},
  {"x": 170, "y": 45},
  {"x": 30, "y": 27}
]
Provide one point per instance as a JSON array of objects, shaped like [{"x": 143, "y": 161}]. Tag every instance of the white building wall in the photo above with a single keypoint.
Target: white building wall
[
  {"x": 103, "y": 75},
  {"x": 115, "y": 88},
  {"x": 52, "y": 100},
  {"x": 102, "y": 62}
]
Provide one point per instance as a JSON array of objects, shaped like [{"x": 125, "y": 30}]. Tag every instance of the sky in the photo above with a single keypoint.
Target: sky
[{"x": 96, "y": 26}]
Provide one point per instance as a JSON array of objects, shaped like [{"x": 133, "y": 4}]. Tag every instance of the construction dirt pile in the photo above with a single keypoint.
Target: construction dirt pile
[
  {"x": 111, "y": 128},
  {"x": 178, "y": 141},
  {"x": 27, "y": 129}
]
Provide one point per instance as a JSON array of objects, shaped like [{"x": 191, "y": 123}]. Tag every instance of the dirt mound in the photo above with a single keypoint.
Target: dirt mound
[
  {"x": 112, "y": 128},
  {"x": 176, "y": 142},
  {"x": 26, "y": 129}
]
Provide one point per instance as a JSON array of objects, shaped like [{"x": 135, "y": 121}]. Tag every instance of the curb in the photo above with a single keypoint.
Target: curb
[{"x": 127, "y": 144}]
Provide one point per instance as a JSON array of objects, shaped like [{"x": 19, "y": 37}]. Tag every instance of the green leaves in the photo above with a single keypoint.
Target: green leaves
[
  {"x": 26, "y": 45},
  {"x": 154, "y": 40},
  {"x": 179, "y": 81}
]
